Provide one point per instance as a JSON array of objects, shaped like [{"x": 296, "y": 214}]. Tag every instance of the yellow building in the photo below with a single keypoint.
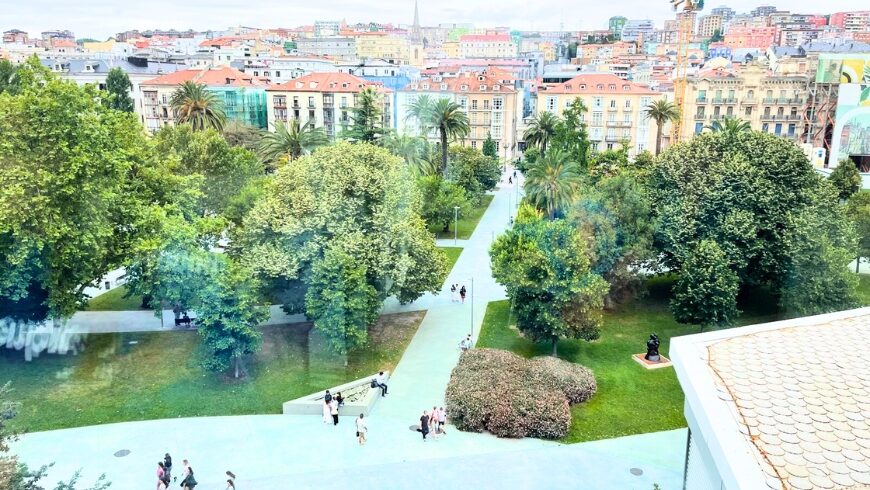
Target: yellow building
[
  {"x": 327, "y": 99},
  {"x": 773, "y": 104},
  {"x": 614, "y": 109},
  {"x": 487, "y": 46},
  {"x": 99, "y": 47},
  {"x": 709, "y": 24},
  {"x": 492, "y": 106},
  {"x": 379, "y": 45}
]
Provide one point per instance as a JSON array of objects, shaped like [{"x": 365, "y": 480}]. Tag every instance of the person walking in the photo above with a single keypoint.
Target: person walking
[
  {"x": 361, "y": 430},
  {"x": 333, "y": 410},
  {"x": 167, "y": 467},
  {"x": 424, "y": 425},
  {"x": 189, "y": 482},
  {"x": 453, "y": 293},
  {"x": 161, "y": 475},
  {"x": 185, "y": 469},
  {"x": 462, "y": 292},
  {"x": 327, "y": 411},
  {"x": 231, "y": 480},
  {"x": 442, "y": 420},
  {"x": 433, "y": 422},
  {"x": 510, "y": 180},
  {"x": 381, "y": 383}
]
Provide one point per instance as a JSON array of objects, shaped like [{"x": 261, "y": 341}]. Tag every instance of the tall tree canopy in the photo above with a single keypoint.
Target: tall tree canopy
[
  {"x": 452, "y": 124},
  {"x": 544, "y": 266},
  {"x": 357, "y": 197},
  {"x": 368, "y": 117},
  {"x": 291, "y": 140},
  {"x": 662, "y": 111},
  {"x": 196, "y": 105},
  {"x": 754, "y": 195},
  {"x": 118, "y": 85}
]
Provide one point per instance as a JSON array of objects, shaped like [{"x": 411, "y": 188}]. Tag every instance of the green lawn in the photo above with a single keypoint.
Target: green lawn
[
  {"x": 467, "y": 224},
  {"x": 122, "y": 377},
  {"x": 452, "y": 257},
  {"x": 630, "y": 399},
  {"x": 114, "y": 301}
]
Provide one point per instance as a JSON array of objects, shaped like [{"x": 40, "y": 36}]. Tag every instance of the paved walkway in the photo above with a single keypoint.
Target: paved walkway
[{"x": 277, "y": 451}]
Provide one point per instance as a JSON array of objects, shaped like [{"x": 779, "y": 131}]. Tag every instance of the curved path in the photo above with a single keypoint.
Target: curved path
[{"x": 278, "y": 451}]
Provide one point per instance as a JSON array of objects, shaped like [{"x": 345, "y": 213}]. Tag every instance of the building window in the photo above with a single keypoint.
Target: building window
[
  {"x": 596, "y": 118},
  {"x": 463, "y": 103},
  {"x": 699, "y": 127},
  {"x": 765, "y": 128},
  {"x": 628, "y": 104},
  {"x": 474, "y": 144},
  {"x": 551, "y": 104},
  {"x": 311, "y": 101},
  {"x": 597, "y": 102},
  {"x": 473, "y": 104},
  {"x": 748, "y": 111},
  {"x": 613, "y": 103},
  {"x": 486, "y": 104}
]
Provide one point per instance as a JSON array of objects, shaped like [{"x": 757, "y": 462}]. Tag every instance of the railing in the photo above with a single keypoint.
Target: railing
[
  {"x": 618, "y": 124},
  {"x": 701, "y": 100},
  {"x": 700, "y": 117},
  {"x": 749, "y": 101},
  {"x": 724, "y": 100},
  {"x": 612, "y": 109},
  {"x": 612, "y": 139}
]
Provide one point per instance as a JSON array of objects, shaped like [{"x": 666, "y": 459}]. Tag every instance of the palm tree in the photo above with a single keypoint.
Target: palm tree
[
  {"x": 730, "y": 126},
  {"x": 552, "y": 182},
  {"x": 413, "y": 150},
  {"x": 662, "y": 111},
  {"x": 196, "y": 105},
  {"x": 421, "y": 111},
  {"x": 291, "y": 140},
  {"x": 451, "y": 122},
  {"x": 541, "y": 130}
]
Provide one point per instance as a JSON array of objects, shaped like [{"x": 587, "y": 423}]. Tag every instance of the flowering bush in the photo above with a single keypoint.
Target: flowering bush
[{"x": 509, "y": 396}]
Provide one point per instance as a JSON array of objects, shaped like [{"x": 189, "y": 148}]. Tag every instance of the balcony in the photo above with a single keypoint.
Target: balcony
[
  {"x": 751, "y": 101},
  {"x": 627, "y": 109},
  {"x": 700, "y": 117},
  {"x": 612, "y": 109},
  {"x": 724, "y": 100},
  {"x": 701, "y": 100},
  {"x": 618, "y": 124},
  {"x": 280, "y": 105},
  {"x": 613, "y": 139}
]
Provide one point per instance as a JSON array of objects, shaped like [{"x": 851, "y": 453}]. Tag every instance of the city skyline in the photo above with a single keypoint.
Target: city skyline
[{"x": 101, "y": 19}]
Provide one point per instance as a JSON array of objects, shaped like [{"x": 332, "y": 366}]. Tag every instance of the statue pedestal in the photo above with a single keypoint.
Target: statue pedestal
[{"x": 663, "y": 361}]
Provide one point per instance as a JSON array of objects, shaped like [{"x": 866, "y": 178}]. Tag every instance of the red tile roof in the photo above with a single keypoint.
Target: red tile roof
[
  {"x": 326, "y": 82},
  {"x": 596, "y": 83},
  {"x": 485, "y": 38},
  {"x": 224, "y": 76},
  {"x": 63, "y": 43},
  {"x": 472, "y": 83}
]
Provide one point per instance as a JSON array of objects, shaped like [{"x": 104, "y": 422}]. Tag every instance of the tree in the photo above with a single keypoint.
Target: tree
[
  {"x": 858, "y": 210},
  {"x": 452, "y": 123},
  {"x": 717, "y": 36},
  {"x": 196, "y": 105},
  {"x": 473, "y": 171},
  {"x": 223, "y": 170},
  {"x": 118, "y": 85},
  {"x": 75, "y": 178},
  {"x": 368, "y": 117},
  {"x": 544, "y": 267},
  {"x": 608, "y": 162},
  {"x": 530, "y": 156},
  {"x": 571, "y": 135},
  {"x": 754, "y": 194},
  {"x": 730, "y": 126},
  {"x": 421, "y": 110},
  {"x": 228, "y": 316},
  {"x": 490, "y": 147},
  {"x": 8, "y": 76},
  {"x": 291, "y": 140},
  {"x": 551, "y": 184},
  {"x": 356, "y": 196},
  {"x": 662, "y": 112},
  {"x": 706, "y": 292},
  {"x": 846, "y": 179},
  {"x": 439, "y": 200},
  {"x": 242, "y": 135},
  {"x": 412, "y": 150},
  {"x": 541, "y": 129}
]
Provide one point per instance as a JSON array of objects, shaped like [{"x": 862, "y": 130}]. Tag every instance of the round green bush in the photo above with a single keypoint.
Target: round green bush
[{"x": 575, "y": 381}]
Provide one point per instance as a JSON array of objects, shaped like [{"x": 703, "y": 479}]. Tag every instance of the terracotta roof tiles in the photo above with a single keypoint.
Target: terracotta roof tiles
[
  {"x": 326, "y": 82},
  {"x": 225, "y": 76},
  {"x": 596, "y": 83}
]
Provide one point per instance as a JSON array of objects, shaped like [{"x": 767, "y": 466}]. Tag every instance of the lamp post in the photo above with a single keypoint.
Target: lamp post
[
  {"x": 471, "y": 325},
  {"x": 455, "y": 224}
]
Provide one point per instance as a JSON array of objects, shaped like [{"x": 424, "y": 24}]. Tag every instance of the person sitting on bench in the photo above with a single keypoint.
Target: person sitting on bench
[{"x": 380, "y": 381}]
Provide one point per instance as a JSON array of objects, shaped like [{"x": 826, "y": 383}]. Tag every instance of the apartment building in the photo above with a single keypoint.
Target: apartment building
[
  {"x": 709, "y": 24},
  {"x": 614, "y": 109},
  {"x": 773, "y": 104},
  {"x": 489, "y": 99},
  {"x": 380, "y": 45},
  {"x": 851, "y": 21},
  {"x": 750, "y": 37},
  {"x": 14, "y": 36},
  {"x": 487, "y": 46},
  {"x": 327, "y": 99},
  {"x": 343, "y": 48},
  {"x": 243, "y": 96}
]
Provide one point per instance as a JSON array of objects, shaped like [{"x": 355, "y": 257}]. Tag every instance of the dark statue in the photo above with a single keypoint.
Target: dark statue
[{"x": 652, "y": 349}]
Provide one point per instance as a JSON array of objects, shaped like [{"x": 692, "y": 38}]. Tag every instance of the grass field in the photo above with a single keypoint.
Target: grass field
[
  {"x": 630, "y": 399},
  {"x": 452, "y": 257},
  {"x": 124, "y": 377},
  {"x": 114, "y": 300},
  {"x": 467, "y": 224}
]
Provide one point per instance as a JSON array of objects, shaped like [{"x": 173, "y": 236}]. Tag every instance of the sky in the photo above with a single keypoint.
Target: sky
[{"x": 100, "y": 19}]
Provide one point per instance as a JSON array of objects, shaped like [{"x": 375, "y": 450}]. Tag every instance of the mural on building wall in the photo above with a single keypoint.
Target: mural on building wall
[{"x": 851, "y": 136}]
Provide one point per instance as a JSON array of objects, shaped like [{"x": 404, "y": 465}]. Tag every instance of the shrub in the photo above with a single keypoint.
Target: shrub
[{"x": 509, "y": 396}]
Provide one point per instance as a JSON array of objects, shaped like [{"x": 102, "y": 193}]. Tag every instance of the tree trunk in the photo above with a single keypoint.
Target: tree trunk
[
  {"x": 446, "y": 226},
  {"x": 659, "y": 138},
  {"x": 444, "y": 151},
  {"x": 857, "y": 264},
  {"x": 237, "y": 367},
  {"x": 555, "y": 342}
]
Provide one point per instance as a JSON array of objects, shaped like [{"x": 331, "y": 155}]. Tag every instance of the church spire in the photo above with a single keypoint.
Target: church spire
[{"x": 415, "y": 29}]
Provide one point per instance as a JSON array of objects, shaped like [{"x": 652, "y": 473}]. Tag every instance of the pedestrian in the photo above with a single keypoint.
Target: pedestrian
[
  {"x": 161, "y": 475},
  {"x": 327, "y": 411},
  {"x": 231, "y": 480},
  {"x": 339, "y": 399},
  {"x": 464, "y": 345},
  {"x": 424, "y": 425},
  {"x": 433, "y": 421},
  {"x": 361, "y": 430},
  {"x": 162, "y": 485},
  {"x": 510, "y": 180},
  {"x": 462, "y": 292},
  {"x": 333, "y": 410},
  {"x": 381, "y": 382},
  {"x": 185, "y": 469},
  {"x": 453, "y": 292},
  {"x": 167, "y": 466},
  {"x": 327, "y": 397},
  {"x": 515, "y": 173},
  {"x": 189, "y": 482},
  {"x": 442, "y": 420}
]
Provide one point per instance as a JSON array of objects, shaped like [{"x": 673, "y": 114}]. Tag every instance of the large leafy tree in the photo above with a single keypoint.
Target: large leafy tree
[
  {"x": 224, "y": 170},
  {"x": 242, "y": 135},
  {"x": 544, "y": 267},
  {"x": 541, "y": 130},
  {"x": 858, "y": 210},
  {"x": 368, "y": 117},
  {"x": 118, "y": 85},
  {"x": 452, "y": 123},
  {"x": 490, "y": 147},
  {"x": 706, "y": 293},
  {"x": 552, "y": 183},
  {"x": 440, "y": 200},
  {"x": 75, "y": 179},
  {"x": 356, "y": 196},
  {"x": 196, "y": 105},
  {"x": 846, "y": 179},
  {"x": 291, "y": 140},
  {"x": 413, "y": 150},
  {"x": 571, "y": 135},
  {"x": 473, "y": 171},
  {"x": 752, "y": 194},
  {"x": 228, "y": 317},
  {"x": 662, "y": 111}
]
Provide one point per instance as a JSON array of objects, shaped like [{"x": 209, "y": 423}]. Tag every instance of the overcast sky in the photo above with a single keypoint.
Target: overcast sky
[{"x": 102, "y": 18}]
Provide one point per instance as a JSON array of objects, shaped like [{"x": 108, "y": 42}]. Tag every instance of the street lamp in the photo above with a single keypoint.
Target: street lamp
[{"x": 455, "y": 223}]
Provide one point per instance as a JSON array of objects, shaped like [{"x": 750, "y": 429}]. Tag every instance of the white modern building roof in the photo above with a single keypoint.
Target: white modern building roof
[{"x": 782, "y": 405}]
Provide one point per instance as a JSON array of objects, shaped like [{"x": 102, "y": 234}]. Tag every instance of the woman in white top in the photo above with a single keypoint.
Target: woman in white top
[
  {"x": 327, "y": 412},
  {"x": 361, "y": 430}
]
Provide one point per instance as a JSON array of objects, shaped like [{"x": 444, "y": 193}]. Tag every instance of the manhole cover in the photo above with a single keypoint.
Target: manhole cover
[
  {"x": 122, "y": 453},
  {"x": 636, "y": 471}
]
